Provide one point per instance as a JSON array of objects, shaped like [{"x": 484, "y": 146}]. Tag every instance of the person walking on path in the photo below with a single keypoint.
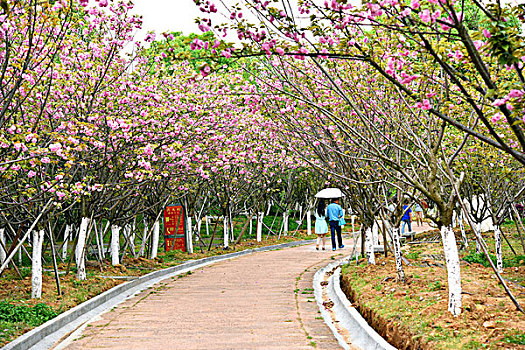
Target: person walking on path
[
  {"x": 335, "y": 213},
  {"x": 321, "y": 228},
  {"x": 418, "y": 210},
  {"x": 407, "y": 217}
]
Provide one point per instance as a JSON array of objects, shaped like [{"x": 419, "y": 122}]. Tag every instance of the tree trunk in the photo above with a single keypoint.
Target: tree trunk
[
  {"x": 369, "y": 246},
  {"x": 3, "y": 253},
  {"x": 453, "y": 270},
  {"x": 144, "y": 239},
  {"x": 115, "y": 244},
  {"x": 286, "y": 216},
  {"x": 260, "y": 218},
  {"x": 497, "y": 244},
  {"x": 67, "y": 234},
  {"x": 189, "y": 233},
  {"x": 463, "y": 234},
  {"x": 397, "y": 254},
  {"x": 308, "y": 222},
  {"x": 226, "y": 238},
  {"x": 155, "y": 240},
  {"x": 36, "y": 270},
  {"x": 79, "y": 251}
]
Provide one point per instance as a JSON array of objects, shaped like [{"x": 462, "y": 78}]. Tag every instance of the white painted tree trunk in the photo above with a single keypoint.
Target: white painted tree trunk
[
  {"x": 144, "y": 239},
  {"x": 198, "y": 233},
  {"x": 369, "y": 246},
  {"x": 3, "y": 253},
  {"x": 36, "y": 269},
  {"x": 67, "y": 234},
  {"x": 101, "y": 233},
  {"x": 79, "y": 251},
  {"x": 478, "y": 246},
  {"x": 155, "y": 240},
  {"x": 309, "y": 222},
  {"x": 131, "y": 237},
  {"x": 251, "y": 226},
  {"x": 260, "y": 218},
  {"x": 115, "y": 245},
  {"x": 269, "y": 208},
  {"x": 226, "y": 240},
  {"x": 207, "y": 226},
  {"x": 189, "y": 234},
  {"x": 453, "y": 270},
  {"x": 375, "y": 234},
  {"x": 397, "y": 254},
  {"x": 497, "y": 243},
  {"x": 100, "y": 247},
  {"x": 286, "y": 216},
  {"x": 463, "y": 233}
]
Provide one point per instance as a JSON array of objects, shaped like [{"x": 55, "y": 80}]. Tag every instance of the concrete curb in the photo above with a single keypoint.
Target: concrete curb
[
  {"x": 46, "y": 335},
  {"x": 361, "y": 334}
]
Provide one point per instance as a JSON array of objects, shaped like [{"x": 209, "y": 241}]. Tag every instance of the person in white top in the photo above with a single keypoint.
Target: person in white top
[{"x": 321, "y": 228}]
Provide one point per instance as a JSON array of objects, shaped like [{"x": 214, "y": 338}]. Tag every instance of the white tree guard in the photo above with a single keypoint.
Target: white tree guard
[
  {"x": 189, "y": 233},
  {"x": 115, "y": 244},
  {"x": 79, "y": 251},
  {"x": 226, "y": 240},
  {"x": 67, "y": 233},
  {"x": 369, "y": 246},
  {"x": 286, "y": 217},
  {"x": 36, "y": 269},
  {"x": 308, "y": 222},
  {"x": 155, "y": 240},
  {"x": 453, "y": 270},
  {"x": 497, "y": 244},
  {"x": 397, "y": 255},
  {"x": 3, "y": 253},
  {"x": 260, "y": 218}
]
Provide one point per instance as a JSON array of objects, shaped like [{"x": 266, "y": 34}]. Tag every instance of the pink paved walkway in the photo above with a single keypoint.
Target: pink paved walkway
[{"x": 258, "y": 301}]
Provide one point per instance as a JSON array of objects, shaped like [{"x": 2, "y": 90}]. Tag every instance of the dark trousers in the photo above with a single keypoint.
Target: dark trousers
[{"x": 334, "y": 227}]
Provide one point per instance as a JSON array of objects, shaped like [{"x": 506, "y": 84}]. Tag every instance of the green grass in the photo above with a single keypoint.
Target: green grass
[
  {"x": 508, "y": 261},
  {"x": 14, "y": 318},
  {"x": 515, "y": 338}
]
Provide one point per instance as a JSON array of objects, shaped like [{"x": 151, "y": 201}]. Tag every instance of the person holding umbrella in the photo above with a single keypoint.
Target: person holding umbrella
[{"x": 335, "y": 213}]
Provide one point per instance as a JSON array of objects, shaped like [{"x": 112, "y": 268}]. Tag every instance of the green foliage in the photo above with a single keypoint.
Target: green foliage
[
  {"x": 515, "y": 338},
  {"x": 434, "y": 286},
  {"x": 177, "y": 47},
  {"x": 33, "y": 316},
  {"x": 508, "y": 261},
  {"x": 413, "y": 255}
]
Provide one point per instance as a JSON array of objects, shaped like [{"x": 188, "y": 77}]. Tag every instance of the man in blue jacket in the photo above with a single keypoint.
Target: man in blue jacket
[{"x": 334, "y": 213}]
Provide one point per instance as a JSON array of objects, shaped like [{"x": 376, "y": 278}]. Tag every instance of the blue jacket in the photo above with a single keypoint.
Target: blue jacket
[{"x": 334, "y": 212}]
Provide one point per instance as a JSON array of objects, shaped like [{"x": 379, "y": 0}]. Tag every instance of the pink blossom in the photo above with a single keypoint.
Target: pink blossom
[
  {"x": 31, "y": 173},
  {"x": 425, "y": 16},
  {"x": 515, "y": 93},
  {"x": 280, "y": 51},
  {"x": 45, "y": 160},
  {"x": 148, "y": 150},
  {"x": 499, "y": 102},
  {"x": 486, "y": 33},
  {"x": 55, "y": 147},
  {"x": 415, "y": 4},
  {"x": 226, "y": 53}
]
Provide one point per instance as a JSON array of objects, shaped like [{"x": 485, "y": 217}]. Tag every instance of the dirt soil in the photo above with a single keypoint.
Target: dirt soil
[{"x": 414, "y": 315}]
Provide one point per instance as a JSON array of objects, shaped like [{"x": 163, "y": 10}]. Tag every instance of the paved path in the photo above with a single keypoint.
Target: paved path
[{"x": 258, "y": 301}]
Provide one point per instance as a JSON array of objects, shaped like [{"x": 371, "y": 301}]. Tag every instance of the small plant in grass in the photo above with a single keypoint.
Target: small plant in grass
[
  {"x": 413, "y": 255},
  {"x": 434, "y": 286},
  {"x": 514, "y": 338}
]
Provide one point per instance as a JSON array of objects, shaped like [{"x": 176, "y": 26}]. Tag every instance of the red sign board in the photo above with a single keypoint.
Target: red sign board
[{"x": 174, "y": 228}]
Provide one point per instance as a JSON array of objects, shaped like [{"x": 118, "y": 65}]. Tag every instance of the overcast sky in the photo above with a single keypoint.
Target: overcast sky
[{"x": 167, "y": 15}]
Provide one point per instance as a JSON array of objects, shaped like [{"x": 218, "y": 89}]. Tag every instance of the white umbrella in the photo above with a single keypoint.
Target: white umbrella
[{"x": 330, "y": 193}]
